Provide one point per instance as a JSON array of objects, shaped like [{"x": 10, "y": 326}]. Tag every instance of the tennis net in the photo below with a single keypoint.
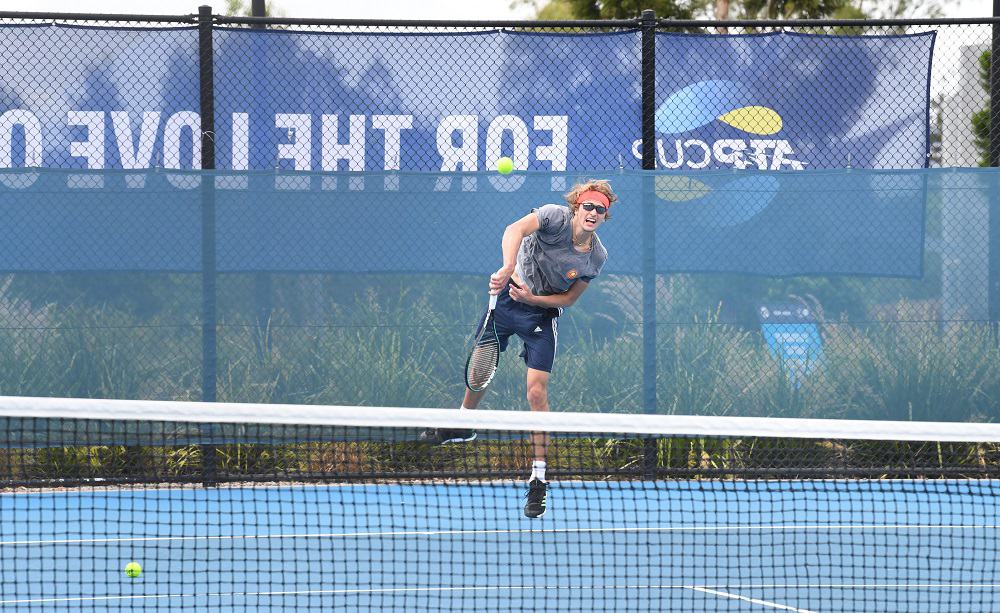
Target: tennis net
[{"x": 280, "y": 507}]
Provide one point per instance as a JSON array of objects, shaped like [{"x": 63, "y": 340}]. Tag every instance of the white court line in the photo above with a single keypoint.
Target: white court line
[
  {"x": 494, "y": 588},
  {"x": 410, "y": 533},
  {"x": 766, "y": 603}
]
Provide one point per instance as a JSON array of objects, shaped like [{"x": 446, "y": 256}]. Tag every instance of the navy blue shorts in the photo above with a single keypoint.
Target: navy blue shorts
[{"x": 536, "y": 326}]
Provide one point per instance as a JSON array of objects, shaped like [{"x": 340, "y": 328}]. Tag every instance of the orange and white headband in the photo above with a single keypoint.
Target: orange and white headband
[{"x": 595, "y": 197}]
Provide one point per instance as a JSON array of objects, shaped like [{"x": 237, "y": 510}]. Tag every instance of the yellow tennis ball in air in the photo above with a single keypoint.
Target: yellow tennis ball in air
[
  {"x": 505, "y": 166},
  {"x": 133, "y": 570}
]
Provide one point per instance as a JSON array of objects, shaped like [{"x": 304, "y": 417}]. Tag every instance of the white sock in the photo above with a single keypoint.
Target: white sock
[
  {"x": 538, "y": 470},
  {"x": 465, "y": 408}
]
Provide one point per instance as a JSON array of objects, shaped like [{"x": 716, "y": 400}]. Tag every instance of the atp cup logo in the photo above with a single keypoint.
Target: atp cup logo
[
  {"x": 705, "y": 105},
  {"x": 715, "y": 200}
]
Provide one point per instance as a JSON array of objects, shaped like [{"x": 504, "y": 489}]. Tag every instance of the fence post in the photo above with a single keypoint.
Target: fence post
[
  {"x": 208, "y": 261},
  {"x": 648, "y": 28},
  {"x": 262, "y": 287},
  {"x": 993, "y": 294}
]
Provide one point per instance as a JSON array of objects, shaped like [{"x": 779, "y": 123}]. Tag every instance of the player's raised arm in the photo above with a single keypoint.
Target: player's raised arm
[{"x": 511, "y": 244}]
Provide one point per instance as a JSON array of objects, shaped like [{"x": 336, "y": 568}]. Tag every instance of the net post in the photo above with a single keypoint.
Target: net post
[
  {"x": 209, "y": 316},
  {"x": 993, "y": 294},
  {"x": 648, "y": 28}
]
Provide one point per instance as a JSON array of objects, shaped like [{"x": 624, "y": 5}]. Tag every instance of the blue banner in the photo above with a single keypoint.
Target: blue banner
[
  {"x": 737, "y": 118},
  {"x": 815, "y": 222},
  {"x": 787, "y": 101},
  {"x": 83, "y": 97},
  {"x": 851, "y": 222},
  {"x": 107, "y": 98}
]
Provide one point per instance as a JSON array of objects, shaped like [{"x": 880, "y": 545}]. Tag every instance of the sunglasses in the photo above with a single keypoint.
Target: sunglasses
[{"x": 590, "y": 206}]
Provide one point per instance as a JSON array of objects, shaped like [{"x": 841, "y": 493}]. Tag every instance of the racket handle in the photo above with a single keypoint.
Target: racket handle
[{"x": 493, "y": 301}]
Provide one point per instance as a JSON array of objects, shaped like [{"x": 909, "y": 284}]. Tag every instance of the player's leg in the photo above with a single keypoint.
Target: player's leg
[
  {"x": 540, "y": 340},
  {"x": 444, "y": 436},
  {"x": 538, "y": 400},
  {"x": 471, "y": 399}
]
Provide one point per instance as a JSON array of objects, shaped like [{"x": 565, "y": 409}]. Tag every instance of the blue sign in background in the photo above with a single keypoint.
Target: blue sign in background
[
  {"x": 430, "y": 102},
  {"x": 793, "y": 337}
]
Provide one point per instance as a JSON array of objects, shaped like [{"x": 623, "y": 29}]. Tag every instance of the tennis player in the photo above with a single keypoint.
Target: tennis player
[{"x": 550, "y": 256}]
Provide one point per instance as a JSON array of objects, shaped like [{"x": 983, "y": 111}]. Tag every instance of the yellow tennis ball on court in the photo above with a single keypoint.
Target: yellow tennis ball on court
[
  {"x": 505, "y": 166},
  {"x": 132, "y": 569}
]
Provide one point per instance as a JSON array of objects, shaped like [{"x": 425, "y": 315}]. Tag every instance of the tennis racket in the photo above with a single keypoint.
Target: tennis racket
[{"x": 485, "y": 355}]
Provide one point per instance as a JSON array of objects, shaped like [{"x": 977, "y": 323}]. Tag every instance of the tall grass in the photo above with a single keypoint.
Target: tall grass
[
  {"x": 404, "y": 349},
  {"x": 401, "y": 350},
  {"x": 98, "y": 353},
  {"x": 378, "y": 352}
]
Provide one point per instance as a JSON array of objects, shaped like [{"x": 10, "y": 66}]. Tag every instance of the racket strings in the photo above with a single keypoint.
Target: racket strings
[{"x": 483, "y": 362}]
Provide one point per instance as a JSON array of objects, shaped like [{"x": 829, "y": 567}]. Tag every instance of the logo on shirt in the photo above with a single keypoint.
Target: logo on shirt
[{"x": 572, "y": 274}]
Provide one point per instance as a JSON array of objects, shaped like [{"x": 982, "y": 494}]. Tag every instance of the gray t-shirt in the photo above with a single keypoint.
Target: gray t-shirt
[{"x": 547, "y": 260}]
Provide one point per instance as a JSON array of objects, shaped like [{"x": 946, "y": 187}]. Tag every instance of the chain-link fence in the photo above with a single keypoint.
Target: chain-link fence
[{"x": 352, "y": 160}]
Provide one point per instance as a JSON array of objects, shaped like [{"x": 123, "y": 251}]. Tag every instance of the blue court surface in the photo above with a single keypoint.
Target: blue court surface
[{"x": 891, "y": 545}]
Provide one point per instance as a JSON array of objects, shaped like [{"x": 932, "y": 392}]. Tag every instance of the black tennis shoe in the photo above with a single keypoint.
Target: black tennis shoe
[
  {"x": 535, "y": 507},
  {"x": 443, "y": 436}
]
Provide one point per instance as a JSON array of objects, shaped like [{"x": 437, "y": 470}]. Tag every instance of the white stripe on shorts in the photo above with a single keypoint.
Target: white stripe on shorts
[{"x": 555, "y": 337}]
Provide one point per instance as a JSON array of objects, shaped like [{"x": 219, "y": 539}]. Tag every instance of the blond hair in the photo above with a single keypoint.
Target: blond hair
[{"x": 597, "y": 185}]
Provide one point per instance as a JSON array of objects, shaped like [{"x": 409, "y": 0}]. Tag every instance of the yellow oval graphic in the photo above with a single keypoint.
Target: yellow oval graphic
[
  {"x": 680, "y": 189},
  {"x": 754, "y": 119}
]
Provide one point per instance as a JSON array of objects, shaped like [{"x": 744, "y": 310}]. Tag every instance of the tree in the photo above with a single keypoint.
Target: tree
[
  {"x": 614, "y": 9},
  {"x": 244, "y": 8},
  {"x": 623, "y": 9},
  {"x": 556, "y": 10},
  {"x": 722, "y": 12},
  {"x": 789, "y": 9},
  {"x": 903, "y": 9},
  {"x": 981, "y": 120},
  {"x": 736, "y": 9}
]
